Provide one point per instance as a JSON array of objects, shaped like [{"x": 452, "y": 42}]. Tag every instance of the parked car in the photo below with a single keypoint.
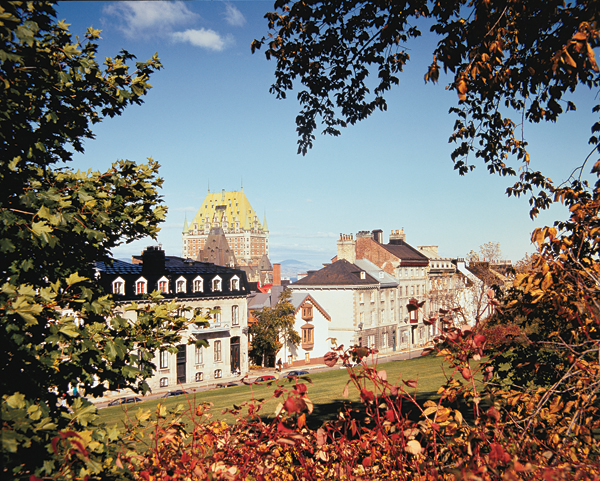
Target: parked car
[
  {"x": 227, "y": 384},
  {"x": 179, "y": 392},
  {"x": 348, "y": 364},
  {"x": 265, "y": 379},
  {"x": 125, "y": 400},
  {"x": 295, "y": 373}
]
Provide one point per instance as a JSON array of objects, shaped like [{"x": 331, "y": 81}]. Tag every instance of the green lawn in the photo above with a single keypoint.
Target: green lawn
[{"x": 325, "y": 392}]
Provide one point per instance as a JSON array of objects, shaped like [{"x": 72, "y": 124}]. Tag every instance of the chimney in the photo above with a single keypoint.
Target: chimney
[
  {"x": 276, "y": 274},
  {"x": 153, "y": 260},
  {"x": 377, "y": 235},
  {"x": 397, "y": 235},
  {"x": 346, "y": 248}
]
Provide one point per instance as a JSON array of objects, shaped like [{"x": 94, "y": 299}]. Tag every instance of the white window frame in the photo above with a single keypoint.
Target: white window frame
[
  {"x": 163, "y": 360},
  {"x": 179, "y": 281},
  {"x": 218, "y": 373},
  {"x": 118, "y": 286},
  {"x": 166, "y": 281},
  {"x": 198, "y": 281},
  {"x": 144, "y": 283},
  {"x": 164, "y": 382},
  {"x": 217, "y": 351},
  {"x": 199, "y": 377},
  {"x": 216, "y": 284},
  {"x": 235, "y": 315},
  {"x": 199, "y": 355},
  {"x": 234, "y": 283}
]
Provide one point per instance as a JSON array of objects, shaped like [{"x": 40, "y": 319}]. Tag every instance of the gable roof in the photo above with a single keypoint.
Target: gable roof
[
  {"x": 299, "y": 298},
  {"x": 340, "y": 273},
  {"x": 385, "y": 279}
]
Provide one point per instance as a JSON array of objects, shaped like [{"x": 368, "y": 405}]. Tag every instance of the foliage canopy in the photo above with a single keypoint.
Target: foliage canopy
[
  {"x": 54, "y": 225},
  {"x": 510, "y": 63}
]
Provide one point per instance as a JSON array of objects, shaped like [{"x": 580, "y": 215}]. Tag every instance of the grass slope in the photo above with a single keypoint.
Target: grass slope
[{"x": 325, "y": 392}]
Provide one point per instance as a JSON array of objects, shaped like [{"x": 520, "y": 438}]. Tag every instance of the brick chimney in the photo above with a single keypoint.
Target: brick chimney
[
  {"x": 397, "y": 235},
  {"x": 276, "y": 274},
  {"x": 153, "y": 260},
  {"x": 346, "y": 248},
  {"x": 377, "y": 235}
]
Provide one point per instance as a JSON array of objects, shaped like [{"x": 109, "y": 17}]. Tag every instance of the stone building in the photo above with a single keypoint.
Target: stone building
[
  {"x": 247, "y": 237},
  {"x": 353, "y": 303},
  {"x": 198, "y": 286}
]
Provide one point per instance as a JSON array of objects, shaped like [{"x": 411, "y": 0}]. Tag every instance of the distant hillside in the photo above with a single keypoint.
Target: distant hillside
[{"x": 291, "y": 268}]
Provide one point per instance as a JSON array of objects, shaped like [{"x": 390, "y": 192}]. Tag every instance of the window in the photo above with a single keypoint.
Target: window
[
  {"x": 198, "y": 284},
  {"x": 393, "y": 315},
  {"x": 307, "y": 357},
  {"x": 372, "y": 317},
  {"x": 180, "y": 285},
  {"x": 118, "y": 286},
  {"x": 371, "y": 341},
  {"x": 218, "y": 373},
  {"x": 217, "y": 349},
  {"x": 163, "y": 285},
  {"x": 307, "y": 312},
  {"x": 235, "y": 283},
  {"x": 164, "y": 359},
  {"x": 381, "y": 274},
  {"x": 363, "y": 275},
  {"x": 235, "y": 320},
  {"x": 382, "y": 296},
  {"x": 382, "y": 318},
  {"x": 217, "y": 315},
  {"x": 372, "y": 297},
  {"x": 412, "y": 290},
  {"x": 384, "y": 342},
  {"x": 417, "y": 290},
  {"x": 361, "y": 298},
  {"x": 216, "y": 284},
  {"x": 199, "y": 376},
  {"x": 361, "y": 317},
  {"x": 141, "y": 286},
  {"x": 199, "y": 355},
  {"x": 406, "y": 289},
  {"x": 164, "y": 381},
  {"x": 307, "y": 335}
]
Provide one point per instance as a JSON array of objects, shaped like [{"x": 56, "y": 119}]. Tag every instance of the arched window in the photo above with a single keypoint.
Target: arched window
[
  {"x": 198, "y": 284},
  {"x": 141, "y": 286},
  {"x": 118, "y": 286},
  {"x": 217, "y": 283},
  {"x": 235, "y": 283}
]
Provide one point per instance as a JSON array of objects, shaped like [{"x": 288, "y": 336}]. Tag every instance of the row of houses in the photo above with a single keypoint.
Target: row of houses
[{"x": 359, "y": 298}]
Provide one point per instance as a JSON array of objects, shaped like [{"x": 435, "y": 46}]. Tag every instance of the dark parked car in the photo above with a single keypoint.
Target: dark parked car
[
  {"x": 179, "y": 392},
  {"x": 264, "y": 379},
  {"x": 295, "y": 373},
  {"x": 125, "y": 400},
  {"x": 227, "y": 384}
]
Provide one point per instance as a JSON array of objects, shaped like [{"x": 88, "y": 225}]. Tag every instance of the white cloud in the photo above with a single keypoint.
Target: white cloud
[
  {"x": 204, "y": 38},
  {"x": 233, "y": 16},
  {"x": 141, "y": 18}
]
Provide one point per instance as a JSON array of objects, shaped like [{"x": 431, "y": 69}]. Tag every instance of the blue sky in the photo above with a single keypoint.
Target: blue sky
[{"x": 210, "y": 121}]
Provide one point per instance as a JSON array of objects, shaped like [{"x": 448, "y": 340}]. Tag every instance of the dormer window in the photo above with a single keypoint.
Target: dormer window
[
  {"x": 118, "y": 286},
  {"x": 198, "y": 284},
  {"x": 235, "y": 283},
  {"x": 363, "y": 275},
  {"x": 381, "y": 274},
  {"x": 217, "y": 283},
  {"x": 163, "y": 285},
  {"x": 181, "y": 285},
  {"x": 141, "y": 286}
]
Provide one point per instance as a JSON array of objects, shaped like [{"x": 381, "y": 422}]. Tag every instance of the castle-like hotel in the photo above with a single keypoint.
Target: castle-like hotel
[{"x": 226, "y": 231}]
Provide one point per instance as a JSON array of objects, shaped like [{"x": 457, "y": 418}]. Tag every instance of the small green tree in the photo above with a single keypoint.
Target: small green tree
[
  {"x": 54, "y": 224},
  {"x": 274, "y": 329}
]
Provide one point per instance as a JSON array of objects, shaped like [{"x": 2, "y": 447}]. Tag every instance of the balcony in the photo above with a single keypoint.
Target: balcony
[{"x": 213, "y": 327}]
